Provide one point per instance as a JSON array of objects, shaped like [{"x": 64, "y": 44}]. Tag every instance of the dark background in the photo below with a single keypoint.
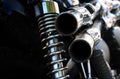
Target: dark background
[{"x": 20, "y": 55}]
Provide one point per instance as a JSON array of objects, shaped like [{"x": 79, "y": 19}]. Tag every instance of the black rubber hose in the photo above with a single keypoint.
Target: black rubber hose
[{"x": 100, "y": 65}]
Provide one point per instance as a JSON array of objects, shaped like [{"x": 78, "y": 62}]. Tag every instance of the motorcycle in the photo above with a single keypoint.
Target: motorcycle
[{"x": 78, "y": 38}]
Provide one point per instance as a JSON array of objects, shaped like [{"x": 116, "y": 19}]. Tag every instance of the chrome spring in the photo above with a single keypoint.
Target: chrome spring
[{"x": 52, "y": 46}]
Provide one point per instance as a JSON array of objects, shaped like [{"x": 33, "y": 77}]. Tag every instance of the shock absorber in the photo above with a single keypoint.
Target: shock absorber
[{"x": 46, "y": 12}]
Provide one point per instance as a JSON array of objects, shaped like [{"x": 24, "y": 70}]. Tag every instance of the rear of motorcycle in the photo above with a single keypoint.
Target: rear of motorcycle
[{"x": 51, "y": 49}]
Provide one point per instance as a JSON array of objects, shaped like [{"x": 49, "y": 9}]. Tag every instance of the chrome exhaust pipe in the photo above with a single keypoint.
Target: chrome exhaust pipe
[
  {"x": 69, "y": 22},
  {"x": 82, "y": 47}
]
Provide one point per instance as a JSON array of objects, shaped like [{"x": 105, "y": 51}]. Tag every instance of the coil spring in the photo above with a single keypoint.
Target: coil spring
[{"x": 52, "y": 46}]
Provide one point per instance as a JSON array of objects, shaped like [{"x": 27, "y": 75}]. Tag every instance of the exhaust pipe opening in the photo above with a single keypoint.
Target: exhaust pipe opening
[
  {"x": 80, "y": 51},
  {"x": 66, "y": 24}
]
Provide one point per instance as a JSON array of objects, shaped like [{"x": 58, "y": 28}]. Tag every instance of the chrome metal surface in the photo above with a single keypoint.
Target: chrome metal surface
[
  {"x": 82, "y": 46},
  {"x": 72, "y": 19},
  {"x": 70, "y": 3},
  {"x": 46, "y": 12},
  {"x": 46, "y": 7},
  {"x": 76, "y": 17},
  {"x": 52, "y": 45}
]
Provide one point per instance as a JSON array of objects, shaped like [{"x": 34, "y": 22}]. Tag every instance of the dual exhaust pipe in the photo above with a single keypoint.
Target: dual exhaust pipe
[
  {"x": 69, "y": 22},
  {"x": 82, "y": 47}
]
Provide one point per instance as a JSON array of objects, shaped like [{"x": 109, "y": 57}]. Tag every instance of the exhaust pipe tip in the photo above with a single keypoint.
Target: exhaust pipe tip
[
  {"x": 80, "y": 50},
  {"x": 66, "y": 24}
]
